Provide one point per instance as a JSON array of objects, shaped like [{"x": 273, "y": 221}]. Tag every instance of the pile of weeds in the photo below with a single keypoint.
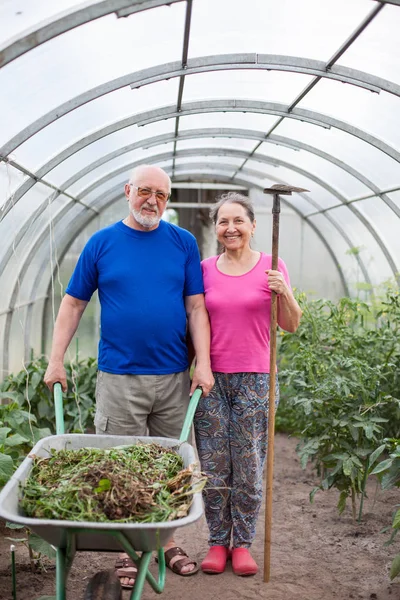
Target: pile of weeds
[{"x": 144, "y": 483}]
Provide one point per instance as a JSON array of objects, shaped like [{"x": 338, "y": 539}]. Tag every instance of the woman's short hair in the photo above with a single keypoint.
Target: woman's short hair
[{"x": 232, "y": 198}]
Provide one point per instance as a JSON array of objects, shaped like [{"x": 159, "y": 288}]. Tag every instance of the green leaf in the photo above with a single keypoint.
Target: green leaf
[
  {"x": 395, "y": 568},
  {"x": 10, "y": 525},
  {"x": 6, "y": 467},
  {"x": 104, "y": 486},
  {"x": 396, "y": 520},
  {"x": 312, "y": 494},
  {"x": 376, "y": 454},
  {"x": 41, "y": 546},
  {"x": 10, "y": 396},
  {"x": 16, "y": 440},
  {"x": 385, "y": 464},
  {"x": 347, "y": 467},
  {"x": 36, "y": 379},
  {"x": 356, "y": 461}
]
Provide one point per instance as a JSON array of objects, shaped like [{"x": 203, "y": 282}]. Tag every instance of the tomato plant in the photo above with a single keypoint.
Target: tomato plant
[{"x": 340, "y": 377}]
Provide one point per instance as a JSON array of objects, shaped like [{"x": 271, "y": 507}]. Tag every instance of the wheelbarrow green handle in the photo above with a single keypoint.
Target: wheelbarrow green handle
[
  {"x": 187, "y": 424},
  {"x": 59, "y": 409}
]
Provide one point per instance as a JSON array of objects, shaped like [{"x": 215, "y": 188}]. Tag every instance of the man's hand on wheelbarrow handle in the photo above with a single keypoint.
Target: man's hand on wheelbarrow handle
[
  {"x": 55, "y": 373},
  {"x": 202, "y": 377}
]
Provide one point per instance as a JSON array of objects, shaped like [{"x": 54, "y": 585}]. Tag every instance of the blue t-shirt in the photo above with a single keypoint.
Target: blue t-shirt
[{"x": 142, "y": 279}]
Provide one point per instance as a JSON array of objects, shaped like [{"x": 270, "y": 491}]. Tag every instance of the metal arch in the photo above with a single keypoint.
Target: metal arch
[
  {"x": 272, "y": 108},
  {"x": 260, "y": 158},
  {"x": 198, "y": 107},
  {"x": 63, "y": 22},
  {"x": 270, "y": 161},
  {"x": 201, "y": 65},
  {"x": 205, "y": 133},
  {"x": 233, "y": 133}
]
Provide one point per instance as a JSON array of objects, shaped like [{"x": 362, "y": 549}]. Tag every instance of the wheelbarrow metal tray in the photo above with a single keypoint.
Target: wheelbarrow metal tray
[{"x": 90, "y": 535}]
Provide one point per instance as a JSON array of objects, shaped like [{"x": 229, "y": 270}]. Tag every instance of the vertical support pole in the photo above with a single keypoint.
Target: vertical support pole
[
  {"x": 276, "y": 209},
  {"x": 13, "y": 572}
]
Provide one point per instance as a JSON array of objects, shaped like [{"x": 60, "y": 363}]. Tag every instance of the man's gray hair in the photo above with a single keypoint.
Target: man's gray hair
[{"x": 232, "y": 198}]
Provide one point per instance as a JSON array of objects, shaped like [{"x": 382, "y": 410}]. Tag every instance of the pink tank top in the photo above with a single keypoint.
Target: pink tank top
[{"x": 239, "y": 307}]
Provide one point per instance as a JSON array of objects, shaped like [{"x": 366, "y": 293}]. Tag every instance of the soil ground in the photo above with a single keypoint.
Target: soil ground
[{"x": 316, "y": 555}]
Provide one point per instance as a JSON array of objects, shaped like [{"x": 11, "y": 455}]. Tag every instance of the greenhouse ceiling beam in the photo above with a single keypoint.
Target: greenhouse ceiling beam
[
  {"x": 33, "y": 177},
  {"x": 242, "y": 134},
  {"x": 227, "y": 105},
  {"x": 367, "y": 197},
  {"x": 184, "y": 61},
  {"x": 288, "y": 166},
  {"x": 70, "y": 19},
  {"x": 232, "y": 153},
  {"x": 327, "y": 67},
  {"x": 354, "y": 200},
  {"x": 202, "y": 65}
]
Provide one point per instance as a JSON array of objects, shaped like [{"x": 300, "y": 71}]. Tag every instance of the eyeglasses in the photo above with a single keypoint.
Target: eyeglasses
[{"x": 146, "y": 193}]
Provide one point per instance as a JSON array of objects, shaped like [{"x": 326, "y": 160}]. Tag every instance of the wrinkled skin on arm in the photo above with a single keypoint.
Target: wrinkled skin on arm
[
  {"x": 68, "y": 318},
  {"x": 199, "y": 327}
]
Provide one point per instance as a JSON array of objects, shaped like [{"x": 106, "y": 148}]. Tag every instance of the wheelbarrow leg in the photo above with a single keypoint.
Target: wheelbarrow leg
[
  {"x": 142, "y": 562},
  {"x": 64, "y": 560},
  {"x": 142, "y": 573},
  {"x": 61, "y": 574}
]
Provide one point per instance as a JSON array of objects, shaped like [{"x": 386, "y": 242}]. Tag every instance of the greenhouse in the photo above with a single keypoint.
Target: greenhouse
[{"x": 223, "y": 95}]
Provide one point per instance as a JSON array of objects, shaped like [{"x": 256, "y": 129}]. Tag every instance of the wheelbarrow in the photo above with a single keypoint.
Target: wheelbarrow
[{"x": 68, "y": 537}]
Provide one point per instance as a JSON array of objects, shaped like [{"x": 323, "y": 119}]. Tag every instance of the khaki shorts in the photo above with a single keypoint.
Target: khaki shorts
[{"x": 152, "y": 405}]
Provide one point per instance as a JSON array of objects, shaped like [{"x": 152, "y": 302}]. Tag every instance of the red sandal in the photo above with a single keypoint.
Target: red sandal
[
  {"x": 215, "y": 561},
  {"x": 243, "y": 563}
]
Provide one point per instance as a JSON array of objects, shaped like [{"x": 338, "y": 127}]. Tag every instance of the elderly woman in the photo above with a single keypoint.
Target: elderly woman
[{"x": 231, "y": 423}]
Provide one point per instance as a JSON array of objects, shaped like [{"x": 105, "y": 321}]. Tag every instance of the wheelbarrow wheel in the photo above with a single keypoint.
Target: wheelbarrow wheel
[{"x": 105, "y": 585}]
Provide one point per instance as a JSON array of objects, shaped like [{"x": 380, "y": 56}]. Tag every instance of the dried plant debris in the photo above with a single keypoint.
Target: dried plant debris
[{"x": 144, "y": 483}]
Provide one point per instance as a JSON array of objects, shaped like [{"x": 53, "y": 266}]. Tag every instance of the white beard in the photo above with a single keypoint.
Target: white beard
[{"x": 146, "y": 221}]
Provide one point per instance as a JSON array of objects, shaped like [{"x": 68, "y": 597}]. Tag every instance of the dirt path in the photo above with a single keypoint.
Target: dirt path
[{"x": 316, "y": 554}]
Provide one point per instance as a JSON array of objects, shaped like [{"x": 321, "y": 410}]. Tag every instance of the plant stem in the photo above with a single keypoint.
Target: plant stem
[
  {"x": 31, "y": 558},
  {"x": 364, "y": 485},
  {"x": 353, "y": 504}
]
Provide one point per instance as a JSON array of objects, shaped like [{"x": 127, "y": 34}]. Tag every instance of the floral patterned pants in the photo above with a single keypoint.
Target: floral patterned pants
[{"x": 231, "y": 427}]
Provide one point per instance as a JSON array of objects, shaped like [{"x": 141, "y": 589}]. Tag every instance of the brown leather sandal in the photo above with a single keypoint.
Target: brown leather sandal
[
  {"x": 177, "y": 565},
  {"x": 125, "y": 568}
]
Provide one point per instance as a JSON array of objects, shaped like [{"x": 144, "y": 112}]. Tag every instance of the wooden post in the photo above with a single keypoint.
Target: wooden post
[{"x": 276, "y": 209}]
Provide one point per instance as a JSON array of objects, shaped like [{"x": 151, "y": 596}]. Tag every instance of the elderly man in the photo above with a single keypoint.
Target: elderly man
[{"x": 148, "y": 275}]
